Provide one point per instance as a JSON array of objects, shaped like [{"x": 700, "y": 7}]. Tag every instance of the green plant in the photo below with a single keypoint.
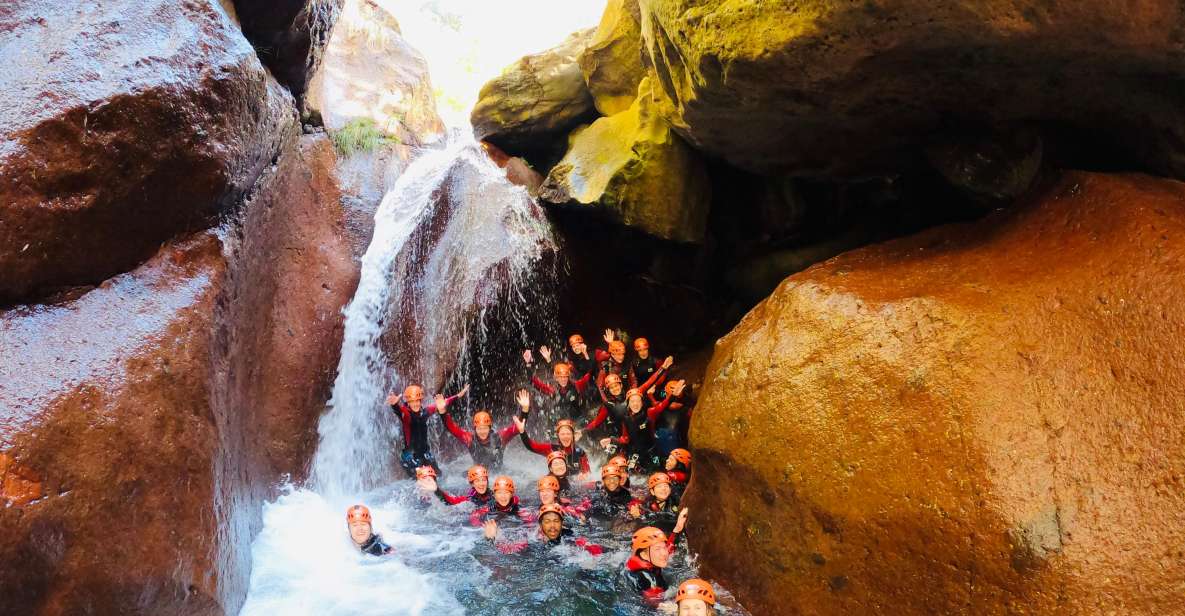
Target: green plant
[{"x": 361, "y": 135}]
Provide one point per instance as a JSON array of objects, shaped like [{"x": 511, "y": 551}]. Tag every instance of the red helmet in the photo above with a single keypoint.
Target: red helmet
[
  {"x": 482, "y": 418},
  {"x": 358, "y": 513},
  {"x": 565, "y": 423},
  {"x": 575, "y": 339},
  {"x": 424, "y": 472},
  {"x": 648, "y": 536},
  {"x": 656, "y": 479},
  {"x": 549, "y": 483},
  {"x": 502, "y": 482},
  {"x": 641, "y": 344},
  {"x": 616, "y": 347},
  {"x": 556, "y": 455},
  {"x": 476, "y": 472},
  {"x": 413, "y": 393},
  {"x": 682, "y": 456},
  {"x": 562, "y": 369},
  {"x": 696, "y": 589},
  {"x": 551, "y": 508}
]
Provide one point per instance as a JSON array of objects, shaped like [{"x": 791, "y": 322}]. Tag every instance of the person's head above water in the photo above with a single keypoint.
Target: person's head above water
[
  {"x": 549, "y": 487},
  {"x": 414, "y": 396},
  {"x": 562, "y": 373},
  {"x": 565, "y": 432},
  {"x": 426, "y": 478},
  {"x": 677, "y": 457},
  {"x": 634, "y": 397},
  {"x": 642, "y": 347},
  {"x": 617, "y": 351},
  {"x": 696, "y": 598},
  {"x": 503, "y": 490},
  {"x": 611, "y": 477},
  {"x": 576, "y": 343},
  {"x": 359, "y": 523},
  {"x": 613, "y": 384},
  {"x": 659, "y": 485},
  {"x": 551, "y": 521},
  {"x": 650, "y": 545},
  {"x": 478, "y": 477},
  {"x": 557, "y": 463},
  {"x": 482, "y": 421}
]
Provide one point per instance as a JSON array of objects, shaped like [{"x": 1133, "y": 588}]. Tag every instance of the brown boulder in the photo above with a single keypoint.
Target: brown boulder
[
  {"x": 849, "y": 88},
  {"x": 126, "y": 124},
  {"x": 612, "y": 63},
  {"x": 143, "y": 422},
  {"x": 289, "y": 36},
  {"x": 980, "y": 419},
  {"x": 529, "y": 109}
]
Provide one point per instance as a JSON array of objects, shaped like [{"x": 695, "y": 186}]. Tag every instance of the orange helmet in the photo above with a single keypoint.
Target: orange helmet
[
  {"x": 565, "y": 423},
  {"x": 502, "y": 482},
  {"x": 556, "y": 455},
  {"x": 561, "y": 369},
  {"x": 476, "y": 472},
  {"x": 358, "y": 513},
  {"x": 619, "y": 460},
  {"x": 682, "y": 456},
  {"x": 553, "y": 508},
  {"x": 616, "y": 347},
  {"x": 424, "y": 472},
  {"x": 631, "y": 393},
  {"x": 549, "y": 483},
  {"x": 641, "y": 344},
  {"x": 648, "y": 536},
  {"x": 482, "y": 418},
  {"x": 612, "y": 378},
  {"x": 670, "y": 387},
  {"x": 612, "y": 469},
  {"x": 575, "y": 339},
  {"x": 656, "y": 479},
  {"x": 696, "y": 589},
  {"x": 413, "y": 392}
]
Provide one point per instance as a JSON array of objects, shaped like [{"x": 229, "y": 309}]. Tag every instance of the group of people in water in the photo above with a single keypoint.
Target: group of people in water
[{"x": 642, "y": 428}]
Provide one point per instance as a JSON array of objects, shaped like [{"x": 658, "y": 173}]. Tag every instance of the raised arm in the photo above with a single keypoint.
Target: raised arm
[
  {"x": 602, "y": 415},
  {"x": 449, "y": 499},
  {"x": 462, "y": 435}
]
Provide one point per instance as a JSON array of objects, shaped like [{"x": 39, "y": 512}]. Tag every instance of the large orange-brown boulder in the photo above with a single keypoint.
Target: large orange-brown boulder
[
  {"x": 143, "y": 421},
  {"x": 981, "y": 419},
  {"x": 124, "y": 124},
  {"x": 819, "y": 87}
]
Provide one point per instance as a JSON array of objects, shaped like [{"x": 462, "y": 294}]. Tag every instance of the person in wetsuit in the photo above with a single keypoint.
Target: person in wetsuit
[
  {"x": 362, "y": 532},
  {"x": 552, "y": 532},
  {"x": 485, "y": 448},
  {"x": 644, "y": 366},
  {"x": 652, "y": 553},
  {"x": 504, "y": 508},
  {"x": 565, "y": 432},
  {"x": 661, "y": 507},
  {"x": 564, "y": 396},
  {"x": 414, "y": 418},
  {"x": 638, "y": 432},
  {"x": 549, "y": 493},
  {"x": 479, "y": 488},
  {"x": 609, "y": 498},
  {"x": 577, "y": 357},
  {"x": 678, "y": 467},
  {"x": 670, "y": 427},
  {"x": 611, "y": 414}
]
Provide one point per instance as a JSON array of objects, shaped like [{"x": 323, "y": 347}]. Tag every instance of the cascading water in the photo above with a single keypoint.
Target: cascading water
[{"x": 460, "y": 275}]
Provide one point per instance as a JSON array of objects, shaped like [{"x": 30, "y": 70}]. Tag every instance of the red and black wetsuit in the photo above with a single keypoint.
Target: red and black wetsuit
[
  {"x": 646, "y": 578},
  {"x": 611, "y": 415},
  {"x": 660, "y": 515},
  {"x": 567, "y": 401},
  {"x": 581, "y": 366},
  {"x": 610, "y": 366},
  {"x": 487, "y": 453},
  {"x": 639, "y": 432},
  {"x": 573, "y": 455},
  {"x": 415, "y": 435},
  {"x": 641, "y": 370},
  {"x": 473, "y": 496},
  {"x": 494, "y": 511}
]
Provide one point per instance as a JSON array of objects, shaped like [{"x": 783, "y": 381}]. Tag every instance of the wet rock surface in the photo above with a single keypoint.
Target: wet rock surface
[
  {"x": 142, "y": 422},
  {"x": 125, "y": 124},
  {"x": 289, "y": 36},
  {"x": 979, "y": 419},
  {"x": 612, "y": 62}
]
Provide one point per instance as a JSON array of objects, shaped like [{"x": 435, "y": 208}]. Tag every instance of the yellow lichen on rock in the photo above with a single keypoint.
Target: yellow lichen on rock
[{"x": 612, "y": 64}]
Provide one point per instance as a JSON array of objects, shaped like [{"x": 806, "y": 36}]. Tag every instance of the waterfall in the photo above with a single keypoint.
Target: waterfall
[{"x": 451, "y": 238}]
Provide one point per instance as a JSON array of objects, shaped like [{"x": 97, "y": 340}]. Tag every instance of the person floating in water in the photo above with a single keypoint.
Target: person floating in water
[
  {"x": 552, "y": 532},
  {"x": 695, "y": 597},
  {"x": 362, "y": 532},
  {"x": 661, "y": 507},
  {"x": 652, "y": 553},
  {"x": 549, "y": 493},
  {"x": 485, "y": 448},
  {"x": 609, "y": 498},
  {"x": 414, "y": 417},
  {"x": 678, "y": 467},
  {"x": 504, "y": 508},
  {"x": 479, "y": 492}
]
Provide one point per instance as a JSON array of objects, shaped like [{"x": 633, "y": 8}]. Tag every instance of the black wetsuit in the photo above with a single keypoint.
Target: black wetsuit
[
  {"x": 670, "y": 430},
  {"x": 640, "y": 370},
  {"x": 606, "y": 504},
  {"x": 375, "y": 546},
  {"x": 581, "y": 366},
  {"x": 416, "y": 450}
]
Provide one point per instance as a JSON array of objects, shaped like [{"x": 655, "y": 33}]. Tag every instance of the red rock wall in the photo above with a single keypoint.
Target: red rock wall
[{"x": 980, "y": 419}]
